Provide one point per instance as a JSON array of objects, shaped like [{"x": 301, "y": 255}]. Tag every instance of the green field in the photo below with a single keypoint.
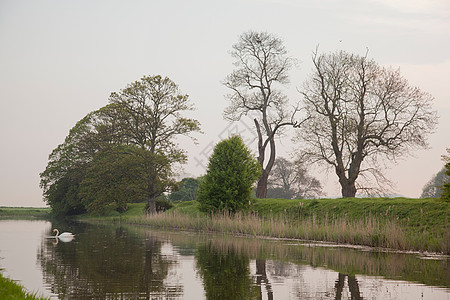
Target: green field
[
  {"x": 24, "y": 212},
  {"x": 396, "y": 223}
]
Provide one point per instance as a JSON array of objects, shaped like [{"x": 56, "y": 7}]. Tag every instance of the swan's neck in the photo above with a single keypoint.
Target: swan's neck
[{"x": 57, "y": 232}]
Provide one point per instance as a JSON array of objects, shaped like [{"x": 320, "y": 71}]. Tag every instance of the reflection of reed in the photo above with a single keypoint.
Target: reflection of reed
[{"x": 344, "y": 260}]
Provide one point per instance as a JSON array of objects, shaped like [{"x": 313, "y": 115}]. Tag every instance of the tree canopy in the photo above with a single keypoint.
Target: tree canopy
[
  {"x": 262, "y": 68},
  {"x": 123, "y": 152},
  {"x": 360, "y": 113},
  {"x": 434, "y": 187},
  {"x": 186, "y": 190},
  {"x": 291, "y": 180},
  {"x": 232, "y": 171}
]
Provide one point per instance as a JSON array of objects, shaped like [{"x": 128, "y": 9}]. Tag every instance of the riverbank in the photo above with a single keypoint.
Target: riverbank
[
  {"x": 394, "y": 223},
  {"x": 11, "y": 290}
]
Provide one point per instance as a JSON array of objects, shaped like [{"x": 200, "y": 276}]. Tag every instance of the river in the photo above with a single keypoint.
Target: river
[{"x": 133, "y": 262}]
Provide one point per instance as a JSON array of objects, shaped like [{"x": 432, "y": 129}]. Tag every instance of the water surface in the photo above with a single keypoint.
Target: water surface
[{"x": 124, "y": 262}]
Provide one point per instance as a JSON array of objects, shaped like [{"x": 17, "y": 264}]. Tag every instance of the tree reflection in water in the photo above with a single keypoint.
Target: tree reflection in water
[
  {"x": 226, "y": 274},
  {"x": 352, "y": 285},
  {"x": 262, "y": 280},
  {"x": 106, "y": 262},
  {"x": 134, "y": 262}
]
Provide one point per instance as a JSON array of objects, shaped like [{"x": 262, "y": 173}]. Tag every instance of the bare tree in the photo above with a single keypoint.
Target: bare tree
[
  {"x": 262, "y": 67},
  {"x": 359, "y": 114},
  {"x": 291, "y": 181}
]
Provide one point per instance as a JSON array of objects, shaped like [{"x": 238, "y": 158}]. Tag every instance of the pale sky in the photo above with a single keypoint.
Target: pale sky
[{"x": 60, "y": 60}]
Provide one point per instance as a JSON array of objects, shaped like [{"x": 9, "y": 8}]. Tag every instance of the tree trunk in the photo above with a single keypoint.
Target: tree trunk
[
  {"x": 151, "y": 206},
  {"x": 262, "y": 279},
  {"x": 339, "y": 286},
  {"x": 348, "y": 186},
  {"x": 353, "y": 287},
  {"x": 261, "y": 188},
  {"x": 348, "y": 189}
]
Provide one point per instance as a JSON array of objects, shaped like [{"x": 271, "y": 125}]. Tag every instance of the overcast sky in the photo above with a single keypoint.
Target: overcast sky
[{"x": 60, "y": 60}]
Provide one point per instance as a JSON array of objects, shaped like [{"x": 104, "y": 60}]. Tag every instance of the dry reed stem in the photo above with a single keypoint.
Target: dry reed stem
[{"x": 339, "y": 230}]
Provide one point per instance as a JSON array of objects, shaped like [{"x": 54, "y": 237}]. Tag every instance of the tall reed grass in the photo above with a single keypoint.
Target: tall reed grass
[{"x": 367, "y": 231}]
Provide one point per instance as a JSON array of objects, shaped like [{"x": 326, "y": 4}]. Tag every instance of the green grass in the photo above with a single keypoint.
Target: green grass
[
  {"x": 423, "y": 221},
  {"x": 397, "y": 223},
  {"x": 11, "y": 290},
  {"x": 24, "y": 212}
]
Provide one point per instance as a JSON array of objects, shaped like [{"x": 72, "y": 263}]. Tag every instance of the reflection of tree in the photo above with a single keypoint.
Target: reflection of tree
[
  {"x": 432, "y": 272},
  {"x": 261, "y": 278},
  {"x": 352, "y": 286},
  {"x": 226, "y": 275},
  {"x": 105, "y": 263}
]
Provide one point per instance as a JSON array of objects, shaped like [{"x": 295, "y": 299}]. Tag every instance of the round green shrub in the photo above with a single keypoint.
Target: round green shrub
[{"x": 232, "y": 171}]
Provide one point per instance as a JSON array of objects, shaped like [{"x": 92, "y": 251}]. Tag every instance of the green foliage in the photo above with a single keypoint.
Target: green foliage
[
  {"x": 161, "y": 204},
  {"x": 231, "y": 173},
  {"x": 278, "y": 192},
  {"x": 225, "y": 275},
  {"x": 62, "y": 195},
  {"x": 123, "y": 152},
  {"x": 116, "y": 177},
  {"x": 154, "y": 105},
  {"x": 11, "y": 290},
  {"x": 187, "y": 190}
]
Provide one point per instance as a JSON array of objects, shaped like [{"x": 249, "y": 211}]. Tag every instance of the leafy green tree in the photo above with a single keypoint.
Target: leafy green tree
[
  {"x": 63, "y": 196},
  {"x": 66, "y": 168},
  {"x": 187, "y": 190},
  {"x": 146, "y": 115},
  {"x": 121, "y": 175},
  {"x": 232, "y": 171},
  {"x": 150, "y": 114}
]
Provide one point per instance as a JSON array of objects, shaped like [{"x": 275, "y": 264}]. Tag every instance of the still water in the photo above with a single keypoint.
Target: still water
[{"x": 124, "y": 262}]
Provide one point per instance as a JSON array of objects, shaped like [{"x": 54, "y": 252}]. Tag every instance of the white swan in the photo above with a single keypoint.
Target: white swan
[{"x": 63, "y": 235}]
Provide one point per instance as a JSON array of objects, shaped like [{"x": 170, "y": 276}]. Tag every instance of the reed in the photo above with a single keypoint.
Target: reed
[{"x": 368, "y": 231}]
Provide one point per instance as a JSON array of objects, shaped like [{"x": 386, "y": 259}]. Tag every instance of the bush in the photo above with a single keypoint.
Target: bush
[
  {"x": 232, "y": 171},
  {"x": 161, "y": 205},
  {"x": 187, "y": 190}
]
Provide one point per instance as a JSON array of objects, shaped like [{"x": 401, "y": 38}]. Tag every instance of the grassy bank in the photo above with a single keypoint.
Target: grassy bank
[
  {"x": 402, "y": 224},
  {"x": 24, "y": 212},
  {"x": 11, "y": 290}
]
